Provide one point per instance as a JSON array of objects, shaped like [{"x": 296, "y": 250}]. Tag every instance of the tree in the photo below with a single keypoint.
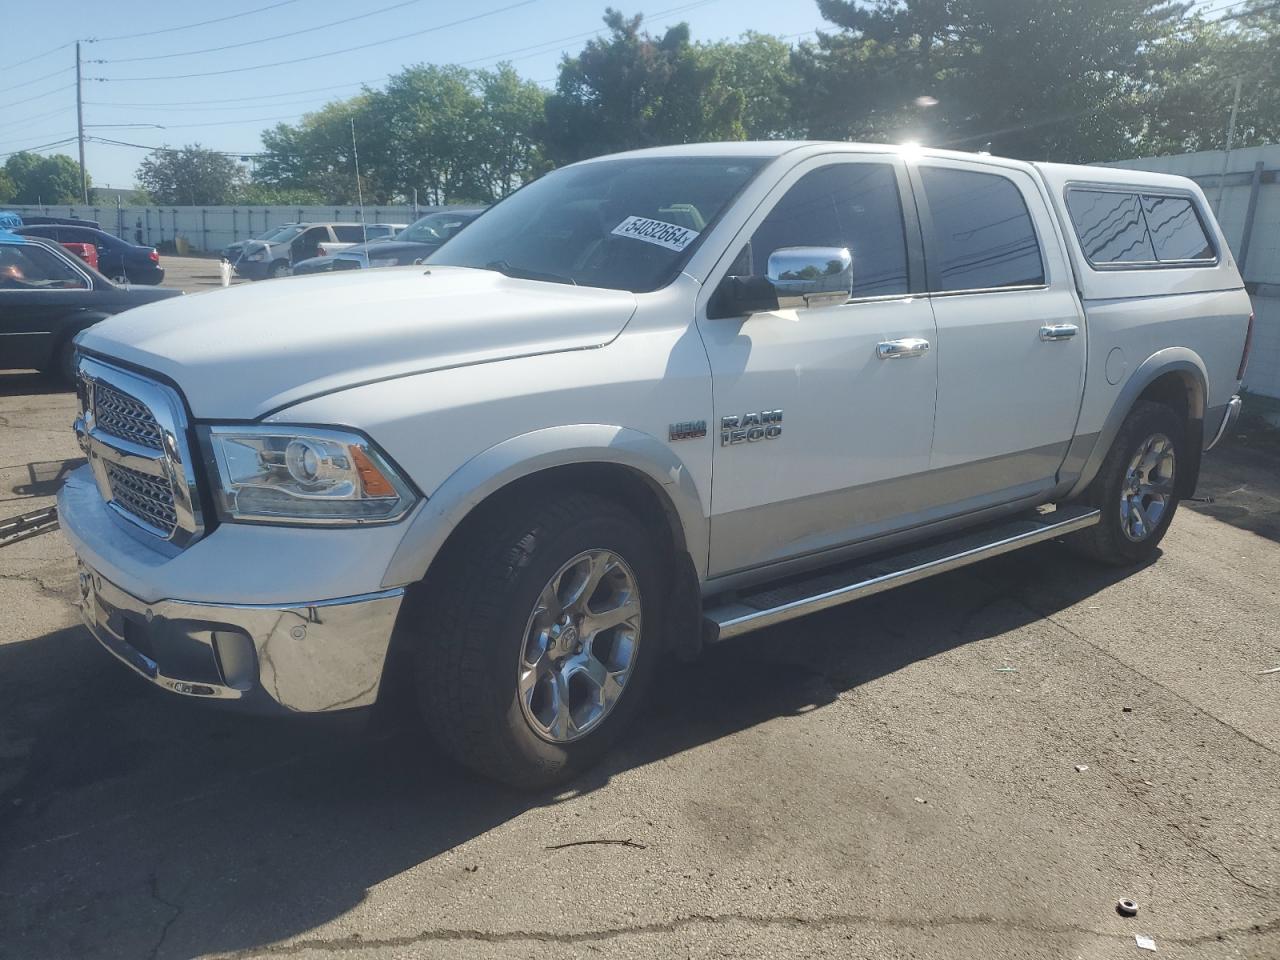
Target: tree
[
  {"x": 448, "y": 133},
  {"x": 759, "y": 67},
  {"x": 37, "y": 179},
  {"x": 7, "y": 190},
  {"x": 190, "y": 175},
  {"x": 1193, "y": 84},
  {"x": 632, "y": 89},
  {"x": 1040, "y": 79}
]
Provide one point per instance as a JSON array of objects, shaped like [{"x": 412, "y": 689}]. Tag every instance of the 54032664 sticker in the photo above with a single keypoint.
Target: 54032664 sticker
[{"x": 658, "y": 232}]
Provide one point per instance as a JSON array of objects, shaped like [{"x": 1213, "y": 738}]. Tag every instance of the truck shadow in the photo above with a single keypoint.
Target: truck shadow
[{"x": 133, "y": 823}]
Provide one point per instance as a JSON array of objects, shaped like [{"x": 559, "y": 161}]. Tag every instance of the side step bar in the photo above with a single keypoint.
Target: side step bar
[{"x": 770, "y": 605}]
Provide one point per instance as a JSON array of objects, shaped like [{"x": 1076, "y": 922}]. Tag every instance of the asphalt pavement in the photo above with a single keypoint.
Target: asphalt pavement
[{"x": 976, "y": 766}]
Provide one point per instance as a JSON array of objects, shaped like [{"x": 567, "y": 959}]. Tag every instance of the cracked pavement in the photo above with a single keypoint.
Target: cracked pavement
[{"x": 892, "y": 779}]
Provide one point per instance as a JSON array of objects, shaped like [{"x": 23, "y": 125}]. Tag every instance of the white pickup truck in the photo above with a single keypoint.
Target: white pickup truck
[{"x": 649, "y": 402}]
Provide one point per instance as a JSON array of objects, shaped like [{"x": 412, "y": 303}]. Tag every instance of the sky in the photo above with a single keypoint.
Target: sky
[
  {"x": 142, "y": 86},
  {"x": 217, "y": 73}
]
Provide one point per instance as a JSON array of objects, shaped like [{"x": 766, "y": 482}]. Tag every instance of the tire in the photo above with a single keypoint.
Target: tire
[
  {"x": 1136, "y": 488},
  {"x": 65, "y": 368},
  {"x": 493, "y": 613},
  {"x": 278, "y": 269}
]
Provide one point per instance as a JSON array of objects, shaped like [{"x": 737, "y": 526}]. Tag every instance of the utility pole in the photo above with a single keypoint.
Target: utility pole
[
  {"x": 84, "y": 177},
  {"x": 1226, "y": 155}
]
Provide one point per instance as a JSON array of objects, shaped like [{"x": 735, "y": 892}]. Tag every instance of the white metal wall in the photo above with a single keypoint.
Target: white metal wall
[{"x": 1262, "y": 267}]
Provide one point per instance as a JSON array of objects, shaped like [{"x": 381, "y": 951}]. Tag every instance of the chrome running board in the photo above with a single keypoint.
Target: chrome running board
[{"x": 797, "y": 597}]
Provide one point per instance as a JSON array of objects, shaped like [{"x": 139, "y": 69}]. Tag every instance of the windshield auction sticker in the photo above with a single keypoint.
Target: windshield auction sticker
[{"x": 655, "y": 231}]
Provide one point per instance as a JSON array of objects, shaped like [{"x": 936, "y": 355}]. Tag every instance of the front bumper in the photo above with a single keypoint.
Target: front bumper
[
  {"x": 233, "y": 617},
  {"x": 306, "y": 657},
  {"x": 1229, "y": 416}
]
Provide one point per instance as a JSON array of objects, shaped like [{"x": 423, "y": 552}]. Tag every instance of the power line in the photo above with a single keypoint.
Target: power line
[
  {"x": 39, "y": 116},
  {"x": 38, "y": 56},
  {"x": 189, "y": 109},
  {"x": 143, "y": 146},
  {"x": 263, "y": 96},
  {"x": 278, "y": 36},
  {"x": 27, "y": 83},
  {"x": 39, "y": 96},
  {"x": 321, "y": 56},
  {"x": 190, "y": 26},
  {"x": 43, "y": 146}
]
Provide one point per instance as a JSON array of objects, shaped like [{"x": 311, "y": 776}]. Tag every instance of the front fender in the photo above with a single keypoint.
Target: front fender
[
  {"x": 522, "y": 456},
  {"x": 1180, "y": 360}
]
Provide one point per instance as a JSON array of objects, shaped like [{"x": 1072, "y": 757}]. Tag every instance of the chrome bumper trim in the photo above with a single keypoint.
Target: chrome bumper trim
[
  {"x": 1229, "y": 417},
  {"x": 306, "y": 657}
]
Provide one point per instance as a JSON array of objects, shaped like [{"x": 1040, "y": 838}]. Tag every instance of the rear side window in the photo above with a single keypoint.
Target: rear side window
[
  {"x": 354, "y": 234},
  {"x": 1117, "y": 227},
  {"x": 1111, "y": 226},
  {"x": 1176, "y": 229},
  {"x": 982, "y": 230},
  {"x": 853, "y": 205}
]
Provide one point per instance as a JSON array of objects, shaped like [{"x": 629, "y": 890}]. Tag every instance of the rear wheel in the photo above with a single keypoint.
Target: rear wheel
[
  {"x": 278, "y": 269},
  {"x": 538, "y": 640},
  {"x": 1136, "y": 487}
]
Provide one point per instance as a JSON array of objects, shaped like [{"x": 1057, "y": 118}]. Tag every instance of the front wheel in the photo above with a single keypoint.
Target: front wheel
[
  {"x": 279, "y": 269},
  {"x": 538, "y": 640},
  {"x": 1136, "y": 487}
]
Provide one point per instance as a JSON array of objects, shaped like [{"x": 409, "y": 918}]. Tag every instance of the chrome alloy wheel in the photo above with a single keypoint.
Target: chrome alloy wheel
[
  {"x": 579, "y": 646},
  {"x": 1147, "y": 488}
]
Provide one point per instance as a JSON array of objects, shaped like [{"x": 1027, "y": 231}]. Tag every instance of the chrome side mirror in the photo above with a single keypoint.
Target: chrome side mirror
[{"x": 811, "y": 276}]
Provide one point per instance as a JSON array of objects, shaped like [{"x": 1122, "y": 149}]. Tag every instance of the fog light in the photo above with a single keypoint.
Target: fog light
[{"x": 236, "y": 659}]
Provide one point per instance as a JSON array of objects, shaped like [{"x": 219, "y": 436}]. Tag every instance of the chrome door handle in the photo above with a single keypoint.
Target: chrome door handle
[
  {"x": 896, "y": 349},
  {"x": 1058, "y": 331}
]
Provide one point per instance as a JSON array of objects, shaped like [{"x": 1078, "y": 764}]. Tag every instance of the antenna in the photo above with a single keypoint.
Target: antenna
[{"x": 364, "y": 231}]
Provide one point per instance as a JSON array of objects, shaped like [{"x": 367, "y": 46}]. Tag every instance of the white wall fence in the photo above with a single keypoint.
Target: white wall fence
[
  {"x": 212, "y": 228},
  {"x": 1250, "y": 216}
]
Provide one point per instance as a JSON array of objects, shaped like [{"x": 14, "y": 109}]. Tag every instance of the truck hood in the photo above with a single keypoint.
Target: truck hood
[{"x": 243, "y": 352}]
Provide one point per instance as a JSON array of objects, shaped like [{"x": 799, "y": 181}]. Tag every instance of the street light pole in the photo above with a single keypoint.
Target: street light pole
[
  {"x": 84, "y": 177},
  {"x": 1226, "y": 154}
]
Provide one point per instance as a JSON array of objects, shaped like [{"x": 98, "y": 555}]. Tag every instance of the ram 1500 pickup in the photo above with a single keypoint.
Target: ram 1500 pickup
[{"x": 649, "y": 402}]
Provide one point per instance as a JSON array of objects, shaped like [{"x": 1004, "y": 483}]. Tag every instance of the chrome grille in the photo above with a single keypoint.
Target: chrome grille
[
  {"x": 135, "y": 434},
  {"x": 146, "y": 497},
  {"x": 122, "y": 416}
]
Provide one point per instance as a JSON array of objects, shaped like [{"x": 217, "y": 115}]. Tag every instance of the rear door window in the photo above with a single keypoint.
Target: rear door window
[
  {"x": 982, "y": 231},
  {"x": 355, "y": 234},
  {"x": 30, "y": 266}
]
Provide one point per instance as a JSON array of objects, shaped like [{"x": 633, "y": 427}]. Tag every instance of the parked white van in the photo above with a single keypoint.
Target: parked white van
[{"x": 651, "y": 401}]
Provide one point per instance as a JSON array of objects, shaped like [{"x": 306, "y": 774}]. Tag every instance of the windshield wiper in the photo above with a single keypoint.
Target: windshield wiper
[{"x": 505, "y": 268}]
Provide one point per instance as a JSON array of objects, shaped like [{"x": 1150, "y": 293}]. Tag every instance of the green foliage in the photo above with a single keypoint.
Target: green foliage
[
  {"x": 7, "y": 190},
  {"x": 191, "y": 175},
  {"x": 37, "y": 179},
  {"x": 632, "y": 89},
  {"x": 450, "y": 133}
]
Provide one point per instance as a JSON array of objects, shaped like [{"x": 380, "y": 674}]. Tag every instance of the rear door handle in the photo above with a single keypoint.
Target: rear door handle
[
  {"x": 1058, "y": 331},
  {"x": 897, "y": 349}
]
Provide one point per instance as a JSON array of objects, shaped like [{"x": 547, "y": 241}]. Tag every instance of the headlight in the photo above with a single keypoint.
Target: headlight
[
  {"x": 305, "y": 475},
  {"x": 385, "y": 262}
]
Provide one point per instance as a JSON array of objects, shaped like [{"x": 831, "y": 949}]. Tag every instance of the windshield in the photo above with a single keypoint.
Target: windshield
[
  {"x": 435, "y": 227},
  {"x": 281, "y": 234},
  {"x": 627, "y": 224}
]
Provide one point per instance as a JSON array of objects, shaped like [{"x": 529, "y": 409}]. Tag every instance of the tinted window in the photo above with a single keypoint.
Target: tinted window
[
  {"x": 355, "y": 234},
  {"x": 982, "y": 231},
  {"x": 30, "y": 266},
  {"x": 1176, "y": 230},
  {"x": 853, "y": 205},
  {"x": 627, "y": 224},
  {"x": 1110, "y": 226},
  {"x": 41, "y": 230}
]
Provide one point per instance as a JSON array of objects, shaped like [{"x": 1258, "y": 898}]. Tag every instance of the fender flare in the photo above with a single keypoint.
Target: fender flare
[
  {"x": 530, "y": 453},
  {"x": 1180, "y": 360}
]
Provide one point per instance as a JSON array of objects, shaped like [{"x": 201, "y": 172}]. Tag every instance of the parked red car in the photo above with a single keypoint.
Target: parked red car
[{"x": 87, "y": 252}]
